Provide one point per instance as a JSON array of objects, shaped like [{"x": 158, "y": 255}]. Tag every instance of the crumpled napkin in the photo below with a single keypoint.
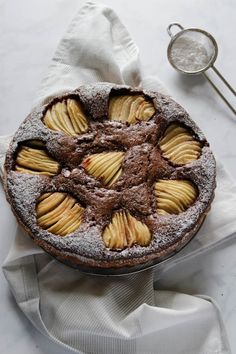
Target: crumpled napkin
[{"x": 89, "y": 314}]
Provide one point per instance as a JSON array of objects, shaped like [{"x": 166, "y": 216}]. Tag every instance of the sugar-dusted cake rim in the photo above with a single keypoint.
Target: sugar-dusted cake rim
[{"x": 85, "y": 248}]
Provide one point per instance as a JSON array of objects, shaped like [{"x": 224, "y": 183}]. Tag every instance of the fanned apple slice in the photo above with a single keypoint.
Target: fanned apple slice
[
  {"x": 130, "y": 108},
  {"x": 35, "y": 160},
  {"x": 174, "y": 196},
  {"x": 179, "y": 146},
  {"x": 105, "y": 166},
  {"x": 67, "y": 117},
  {"x": 59, "y": 213},
  {"x": 124, "y": 230}
]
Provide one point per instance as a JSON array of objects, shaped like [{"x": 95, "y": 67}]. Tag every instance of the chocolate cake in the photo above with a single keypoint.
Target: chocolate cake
[{"x": 110, "y": 179}]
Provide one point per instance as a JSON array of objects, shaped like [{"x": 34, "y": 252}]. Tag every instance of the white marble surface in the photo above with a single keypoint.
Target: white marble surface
[{"x": 29, "y": 33}]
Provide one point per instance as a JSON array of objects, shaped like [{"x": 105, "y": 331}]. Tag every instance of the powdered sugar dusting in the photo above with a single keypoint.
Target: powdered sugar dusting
[
  {"x": 189, "y": 55},
  {"x": 142, "y": 165}
]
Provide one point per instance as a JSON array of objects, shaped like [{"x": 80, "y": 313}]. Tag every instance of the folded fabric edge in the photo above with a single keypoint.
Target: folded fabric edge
[
  {"x": 224, "y": 337},
  {"x": 170, "y": 263},
  {"x": 126, "y": 44},
  {"x": 30, "y": 304}
]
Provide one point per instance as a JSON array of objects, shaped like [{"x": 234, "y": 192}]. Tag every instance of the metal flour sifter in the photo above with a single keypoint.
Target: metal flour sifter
[{"x": 194, "y": 51}]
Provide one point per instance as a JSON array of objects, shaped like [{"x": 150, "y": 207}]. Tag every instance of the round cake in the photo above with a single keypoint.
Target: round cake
[{"x": 110, "y": 179}]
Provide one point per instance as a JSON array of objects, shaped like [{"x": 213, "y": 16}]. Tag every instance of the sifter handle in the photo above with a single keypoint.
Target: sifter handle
[
  {"x": 224, "y": 80},
  {"x": 172, "y": 25},
  {"x": 219, "y": 93}
]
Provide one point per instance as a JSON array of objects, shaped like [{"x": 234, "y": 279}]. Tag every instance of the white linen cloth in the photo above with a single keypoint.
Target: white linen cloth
[{"x": 88, "y": 314}]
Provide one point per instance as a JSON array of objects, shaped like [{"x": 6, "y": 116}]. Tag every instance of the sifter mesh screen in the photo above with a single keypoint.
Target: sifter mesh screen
[{"x": 192, "y": 51}]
